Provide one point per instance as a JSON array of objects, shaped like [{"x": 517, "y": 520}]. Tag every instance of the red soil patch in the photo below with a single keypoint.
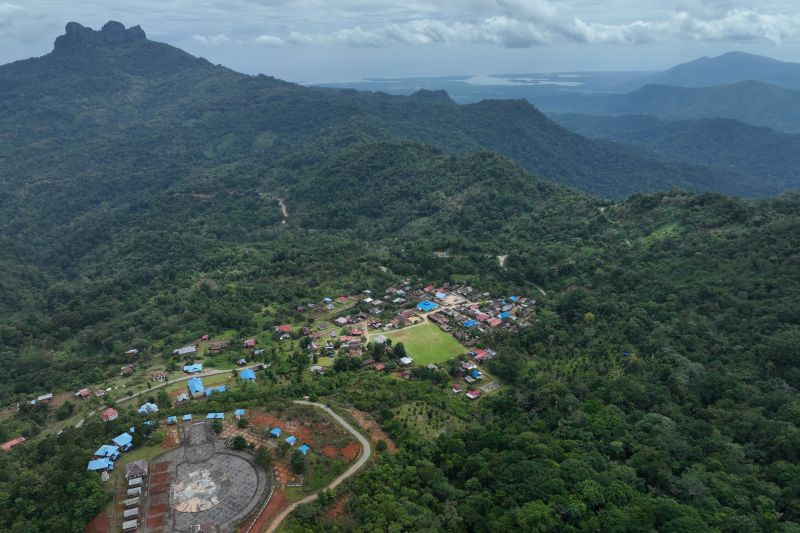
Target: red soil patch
[
  {"x": 276, "y": 504},
  {"x": 337, "y": 509},
  {"x": 159, "y": 478},
  {"x": 156, "y": 521},
  {"x": 374, "y": 429},
  {"x": 159, "y": 467},
  {"x": 171, "y": 439},
  {"x": 329, "y": 451},
  {"x": 159, "y": 489},
  {"x": 351, "y": 451},
  {"x": 99, "y": 524},
  {"x": 160, "y": 508},
  {"x": 303, "y": 433}
]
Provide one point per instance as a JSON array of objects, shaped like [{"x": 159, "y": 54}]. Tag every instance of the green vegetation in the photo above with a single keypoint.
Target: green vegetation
[
  {"x": 426, "y": 343},
  {"x": 657, "y": 389}
]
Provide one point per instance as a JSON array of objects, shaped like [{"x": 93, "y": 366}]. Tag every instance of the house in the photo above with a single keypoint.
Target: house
[
  {"x": 126, "y": 370},
  {"x": 136, "y": 469},
  {"x": 204, "y": 338},
  {"x": 405, "y": 361},
  {"x": 99, "y": 393},
  {"x": 13, "y": 442},
  {"x": 505, "y": 315},
  {"x": 187, "y": 418},
  {"x": 215, "y": 416},
  {"x": 342, "y": 299},
  {"x": 469, "y": 379},
  {"x": 100, "y": 465},
  {"x": 194, "y": 368},
  {"x": 132, "y": 352},
  {"x": 285, "y": 328},
  {"x": 476, "y": 374},
  {"x": 147, "y": 408},
  {"x": 379, "y": 339},
  {"x": 217, "y": 346},
  {"x": 242, "y": 361},
  {"x": 303, "y": 449},
  {"x": 131, "y": 502},
  {"x": 276, "y": 432},
  {"x": 158, "y": 376},
  {"x": 291, "y": 440},
  {"x": 108, "y": 451},
  {"x": 317, "y": 369},
  {"x": 341, "y": 321},
  {"x": 247, "y": 375},
  {"x": 250, "y": 343},
  {"x": 196, "y": 388},
  {"x": 130, "y": 525},
  {"x": 470, "y": 323},
  {"x": 83, "y": 393},
  {"x": 135, "y": 482},
  {"x": 474, "y": 394},
  {"x": 239, "y": 413},
  {"x": 380, "y": 367},
  {"x": 134, "y": 492},
  {"x": 456, "y": 388},
  {"x": 356, "y": 332},
  {"x": 440, "y": 296},
  {"x": 130, "y": 514},
  {"x": 109, "y": 414},
  {"x": 494, "y": 322},
  {"x": 45, "y": 398},
  {"x": 172, "y": 420},
  {"x": 426, "y": 306},
  {"x": 482, "y": 317},
  {"x": 326, "y": 300},
  {"x": 185, "y": 350},
  {"x": 214, "y": 390},
  {"x": 124, "y": 441},
  {"x": 181, "y": 399}
]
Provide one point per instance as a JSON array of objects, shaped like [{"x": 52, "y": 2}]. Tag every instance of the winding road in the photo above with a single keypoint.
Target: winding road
[{"x": 366, "y": 452}]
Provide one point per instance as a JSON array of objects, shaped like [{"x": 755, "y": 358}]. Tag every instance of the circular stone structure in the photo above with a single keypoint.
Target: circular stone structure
[{"x": 211, "y": 483}]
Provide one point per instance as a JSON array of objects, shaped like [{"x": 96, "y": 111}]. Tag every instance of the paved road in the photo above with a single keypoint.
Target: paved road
[{"x": 365, "y": 455}]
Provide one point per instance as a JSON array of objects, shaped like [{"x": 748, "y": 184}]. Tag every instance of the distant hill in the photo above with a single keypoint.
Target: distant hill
[
  {"x": 751, "y": 102},
  {"x": 768, "y": 156},
  {"x": 733, "y": 67}
]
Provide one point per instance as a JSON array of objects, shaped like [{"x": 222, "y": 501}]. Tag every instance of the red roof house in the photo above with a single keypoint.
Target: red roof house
[
  {"x": 342, "y": 299},
  {"x": 83, "y": 393},
  {"x": 14, "y": 442},
  {"x": 286, "y": 328},
  {"x": 494, "y": 322},
  {"x": 204, "y": 338},
  {"x": 109, "y": 414},
  {"x": 474, "y": 394},
  {"x": 456, "y": 388},
  {"x": 250, "y": 343},
  {"x": 482, "y": 317}
]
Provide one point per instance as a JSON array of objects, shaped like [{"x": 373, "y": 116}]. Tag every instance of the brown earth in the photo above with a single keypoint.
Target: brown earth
[
  {"x": 337, "y": 509},
  {"x": 156, "y": 521},
  {"x": 276, "y": 504},
  {"x": 302, "y": 432},
  {"x": 351, "y": 451},
  {"x": 171, "y": 439},
  {"x": 99, "y": 524},
  {"x": 160, "y": 508},
  {"x": 329, "y": 451},
  {"x": 159, "y": 467},
  {"x": 373, "y": 429},
  {"x": 160, "y": 477}
]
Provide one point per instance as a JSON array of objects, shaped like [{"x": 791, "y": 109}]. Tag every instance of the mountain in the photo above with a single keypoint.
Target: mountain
[
  {"x": 770, "y": 157},
  {"x": 751, "y": 102},
  {"x": 726, "y": 69},
  {"x": 134, "y": 92},
  {"x": 149, "y": 198}
]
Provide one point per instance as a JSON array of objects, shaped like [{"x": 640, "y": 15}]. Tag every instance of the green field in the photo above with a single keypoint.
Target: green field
[{"x": 426, "y": 343}]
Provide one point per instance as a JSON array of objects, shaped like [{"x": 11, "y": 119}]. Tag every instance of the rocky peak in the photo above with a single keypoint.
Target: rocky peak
[{"x": 112, "y": 33}]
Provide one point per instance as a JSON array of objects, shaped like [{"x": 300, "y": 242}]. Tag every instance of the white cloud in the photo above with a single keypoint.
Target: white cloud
[
  {"x": 299, "y": 38},
  {"x": 214, "y": 40},
  {"x": 269, "y": 40}
]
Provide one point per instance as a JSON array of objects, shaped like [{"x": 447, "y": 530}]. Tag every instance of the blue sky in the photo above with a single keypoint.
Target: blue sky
[{"x": 338, "y": 40}]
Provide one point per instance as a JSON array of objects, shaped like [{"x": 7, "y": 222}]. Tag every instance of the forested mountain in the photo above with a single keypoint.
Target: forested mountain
[
  {"x": 732, "y": 67},
  {"x": 772, "y": 158},
  {"x": 657, "y": 389},
  {"x": 752, "y": 102}
]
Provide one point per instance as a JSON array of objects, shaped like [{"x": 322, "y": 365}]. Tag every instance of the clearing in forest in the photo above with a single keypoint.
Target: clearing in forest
[{"x": 427, "y": 343}]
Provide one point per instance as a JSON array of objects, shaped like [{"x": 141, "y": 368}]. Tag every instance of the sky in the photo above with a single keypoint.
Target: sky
[{"x": 345, "y": 40}]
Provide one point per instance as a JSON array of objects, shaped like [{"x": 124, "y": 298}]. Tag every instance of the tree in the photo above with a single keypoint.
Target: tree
[
  {"x": 238, "y": 443},
  {"x": 242, "y": 422},
  {"x": 298, "y": 463},
  {"x": 216, "y": 426},
  {"x": 264, "y": 457},
  {"x": 399, "y": 350}
]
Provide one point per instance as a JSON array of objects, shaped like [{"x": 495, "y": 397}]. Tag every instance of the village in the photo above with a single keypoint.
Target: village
[{"x": 408, "y": 332}]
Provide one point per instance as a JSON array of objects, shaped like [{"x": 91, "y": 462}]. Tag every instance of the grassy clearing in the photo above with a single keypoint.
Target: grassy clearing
[
  {"x": 427, "y": 344},
  {"x": 427, "y": 420},
  {"x": 325, "y": 361}
]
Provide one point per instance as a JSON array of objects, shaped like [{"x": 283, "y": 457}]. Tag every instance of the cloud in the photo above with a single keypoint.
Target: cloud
[
  {"x": 299, "y": 38},
  {"x": 269, "y": 40},
  {"x": 214, "y": 40}
]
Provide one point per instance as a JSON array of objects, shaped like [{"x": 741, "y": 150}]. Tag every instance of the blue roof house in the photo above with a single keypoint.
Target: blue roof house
[
  {"x": 505, "y": 314},
  {"x": 239, "y": 413},
  {"x": 107, "y": 450},
  {"x": 98, "y": 465},
  {"x": 290, "y": 440},
  {"x": 427, "y": 305},
  {"x": 247, "y": 375},
  {"x": 124, "y": 441},
  {"x": 216, "y": 416},
  {"x": 196, "y": 388},
  {"x": 276, "y": 432},
  {"x": 172, "y": 419},
  {"x": 470, "y": 323},
  {"x": 214, "y": 390},
  {"x": 303, "y": 449},
  {"x": 148, "y": 408},
  {"x": 476, "y": 374},
  {"x": 187, "y": 418},
  {"x": 193, "y": 368},
  {"x": 440, "y": 296}
]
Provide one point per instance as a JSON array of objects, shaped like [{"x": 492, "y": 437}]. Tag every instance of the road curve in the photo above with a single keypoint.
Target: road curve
[{"x": 363, "y": 458}]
